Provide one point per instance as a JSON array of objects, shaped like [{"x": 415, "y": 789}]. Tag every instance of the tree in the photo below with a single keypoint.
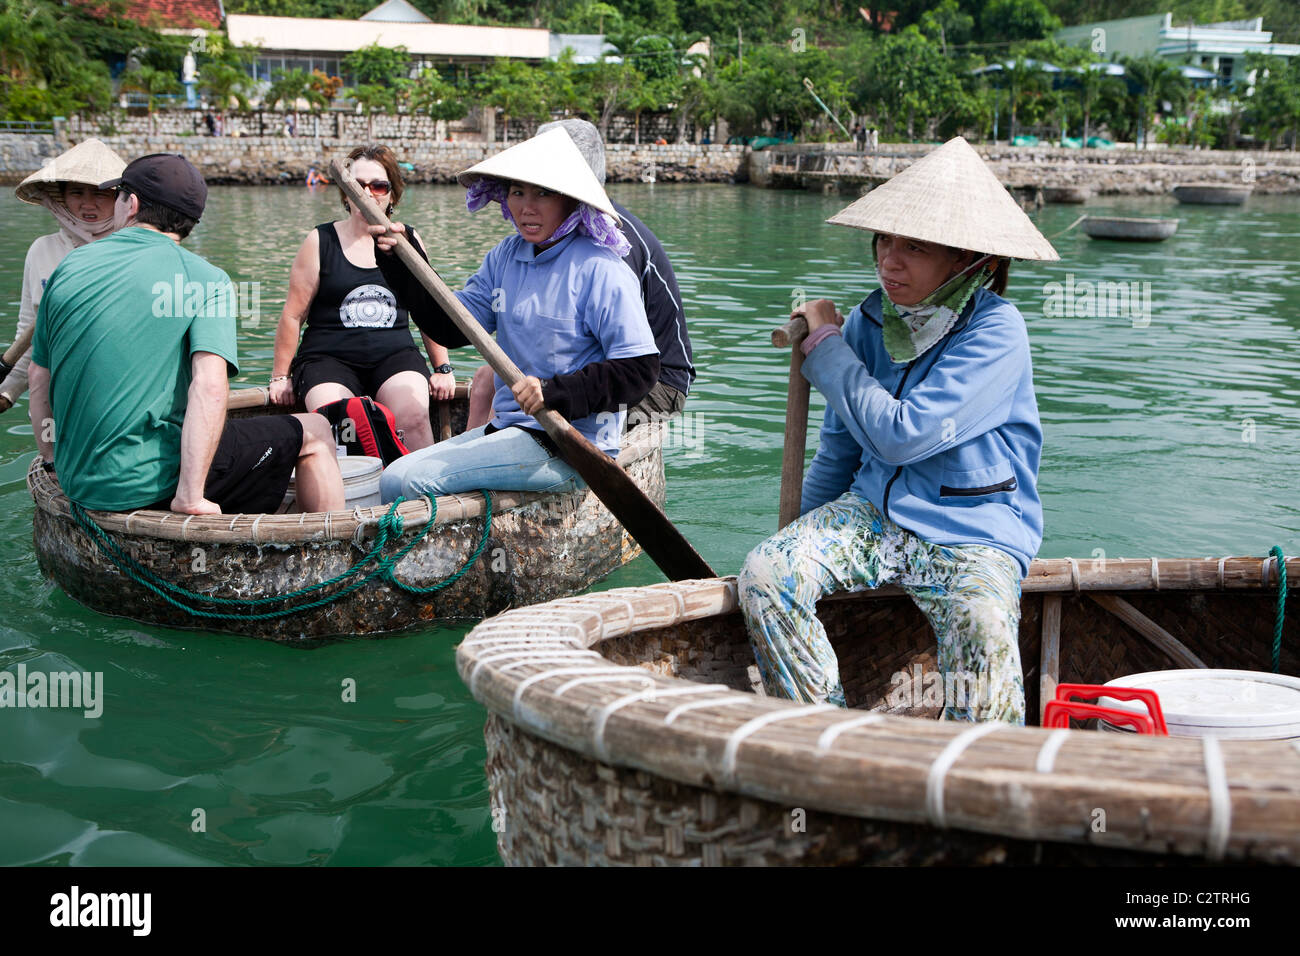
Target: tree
[
  {"x": 290, "y": 86},
  {"x": 440, "y": 100},
  {"x": 1275, "y": 103},
  {"x": 223, "y": 83},
  {"x": 377, "y": 65},
  {"x": 516, "y": 89},
  {"x": 603, "y": 87},
  {"x": 1094, "y": 84},
  {"x": 1004, "y": 20},
  {"x": 153, "y": 83},
  {"x": 948, "y": 24},
  {"x": 1153, "y": 80},
  {"x": 904, "y": 77},
  {"x": 45, "y": 68},
  {"x": 372, "y": 98},
  {"x": 326, "y": 87}
]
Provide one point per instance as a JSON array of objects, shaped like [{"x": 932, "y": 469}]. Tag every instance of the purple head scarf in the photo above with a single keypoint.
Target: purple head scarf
[{"x": 589, "y": 221}]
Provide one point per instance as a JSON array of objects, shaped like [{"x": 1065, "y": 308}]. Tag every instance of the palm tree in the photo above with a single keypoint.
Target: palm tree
[
  {"x": 1154, "y": 80},
  {"x": 152, "y": 82},
  {"x": 1094, "y": 80},
  {"x": 224, "y": 82},
  {"x": 1023, "y": 78}
]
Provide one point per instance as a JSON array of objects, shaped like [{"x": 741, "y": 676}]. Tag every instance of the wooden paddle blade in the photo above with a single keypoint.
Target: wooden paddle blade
[
  {"x": 649, "y": 526},
  {"x": 642, "y": 518}
]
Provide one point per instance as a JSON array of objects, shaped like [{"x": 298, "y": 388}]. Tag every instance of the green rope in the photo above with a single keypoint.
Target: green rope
[
  {"x": 1281, "y": 608},
  {"x": 390, "y": 527}
]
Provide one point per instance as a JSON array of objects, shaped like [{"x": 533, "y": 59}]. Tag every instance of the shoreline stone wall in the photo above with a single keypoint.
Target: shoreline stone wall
[
  {"x": 260, "y": 160},
  {"x": 1120, "y": 171},
  {"x": 270, "y": 159}
]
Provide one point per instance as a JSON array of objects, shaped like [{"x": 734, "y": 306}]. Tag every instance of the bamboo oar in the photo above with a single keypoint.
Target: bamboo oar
[
  {"x": 641, "y": 517},
  {"x": 10, "y": 359},
  {"x": 790, "y": 336}
]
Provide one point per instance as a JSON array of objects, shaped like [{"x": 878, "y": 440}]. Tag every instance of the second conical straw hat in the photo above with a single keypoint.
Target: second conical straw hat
[
  {"x": 951, "y": 197},
  {"x": 89, "y": 162},
  {"x": 550, "y": 161}
]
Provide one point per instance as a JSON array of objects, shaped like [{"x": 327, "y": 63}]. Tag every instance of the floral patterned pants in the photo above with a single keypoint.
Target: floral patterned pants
[{"x": 969, "y": 594}]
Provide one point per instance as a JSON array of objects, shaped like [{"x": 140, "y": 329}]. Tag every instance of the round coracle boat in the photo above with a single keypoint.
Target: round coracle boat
[
  {"x": 1129, "y": 229},
  {"x": 296, "y": 578},
  {"x": 1071, "y": 195},
  {"x": 625, "y": 728},
  {"x": 1213, "y": 194}
]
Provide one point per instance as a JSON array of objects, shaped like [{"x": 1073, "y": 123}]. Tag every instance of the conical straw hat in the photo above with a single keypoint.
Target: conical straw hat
[
  {"x": 89, "y": 162},
  {"x": 550, "y": 161},
  {"x": 950, "y": 197}
]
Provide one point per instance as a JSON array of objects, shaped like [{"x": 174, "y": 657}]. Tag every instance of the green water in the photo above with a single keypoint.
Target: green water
[{"x": 1173, "y": 433}]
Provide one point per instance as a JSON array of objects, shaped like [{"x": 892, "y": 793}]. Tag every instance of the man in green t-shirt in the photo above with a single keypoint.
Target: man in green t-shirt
[{"x": 133, "y": 346}]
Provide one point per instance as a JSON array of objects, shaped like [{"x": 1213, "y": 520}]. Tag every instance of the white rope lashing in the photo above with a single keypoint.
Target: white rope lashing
[
  {"x": 528, "y": 682},
  {"x": 1047, "y": 753},
  {"x": 629, "y": 674},
  {"x": 943, "y": 763},
  {"x": 699, "y": 704},
  {"x": 1216, "y": 780},
  {"x": 829, "y": 735},
  {"x": 603, "y": 715},
  {"x": 756, "y": 724},
  {"x": 523, "y": 657}
]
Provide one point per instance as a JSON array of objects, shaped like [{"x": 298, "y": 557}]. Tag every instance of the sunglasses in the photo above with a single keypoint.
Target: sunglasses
[{"x": 377, "y": 187}]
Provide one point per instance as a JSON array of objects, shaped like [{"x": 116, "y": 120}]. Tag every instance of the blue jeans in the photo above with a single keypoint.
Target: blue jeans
[{"x": 506, "y": 460}]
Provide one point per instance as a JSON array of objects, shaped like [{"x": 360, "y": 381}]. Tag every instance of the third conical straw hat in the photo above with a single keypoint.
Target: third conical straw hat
[
  {"x": 950, "y": 197},
  {"x": 549, "y": 160}
]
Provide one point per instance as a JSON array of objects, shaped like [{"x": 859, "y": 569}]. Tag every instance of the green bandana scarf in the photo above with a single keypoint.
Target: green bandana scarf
[{"x": 912, "y": 330}]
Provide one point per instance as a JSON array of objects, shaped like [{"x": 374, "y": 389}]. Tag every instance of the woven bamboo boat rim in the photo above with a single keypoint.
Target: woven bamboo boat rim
[
  {"x": 538, "y": 668},
  {"x": 310, "y": 526}
]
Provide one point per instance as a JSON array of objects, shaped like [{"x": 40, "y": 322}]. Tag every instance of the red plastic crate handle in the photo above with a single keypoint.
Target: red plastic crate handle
[
  {"x": 1059, "y": 712},
  {"x": 1094, "y": 691}
]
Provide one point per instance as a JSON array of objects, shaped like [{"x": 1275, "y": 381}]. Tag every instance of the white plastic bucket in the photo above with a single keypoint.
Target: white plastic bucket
[
  {"x": 360, "y": 483},
  {"x": 1230, "y": 704}
]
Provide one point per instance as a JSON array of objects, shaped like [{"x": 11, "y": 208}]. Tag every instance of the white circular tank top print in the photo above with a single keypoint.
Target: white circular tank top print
[{"x": 369, "y": 307}]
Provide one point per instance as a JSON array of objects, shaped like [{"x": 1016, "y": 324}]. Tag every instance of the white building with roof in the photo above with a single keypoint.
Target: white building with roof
[
  {"x": 1220, "y": 48},
  {"x": 288, "y": 43}
]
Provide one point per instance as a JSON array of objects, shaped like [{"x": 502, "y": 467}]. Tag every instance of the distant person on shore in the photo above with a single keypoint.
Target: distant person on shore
[
  {"x": 68, "y": 186},
  {"x": 659, "y": 294},
  {"x": 358, "y": 335},
  {"x": 565, "y": 309},
  {"x": 927, "y": 465},
  {"x": 210, "y": 122},
  {"x": 129, "y": 384},
  {"x": 860, "y": 136}
]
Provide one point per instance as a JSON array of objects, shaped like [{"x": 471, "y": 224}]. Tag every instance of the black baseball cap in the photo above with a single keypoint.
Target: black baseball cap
[{"x": 168, "y": 179}]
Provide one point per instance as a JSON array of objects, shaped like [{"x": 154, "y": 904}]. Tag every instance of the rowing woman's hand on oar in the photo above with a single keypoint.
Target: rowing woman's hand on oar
[
  {"x": 819, "y": 312},
  {"x": 528, "y": 393},
  {"x": 386, "y": 236}
]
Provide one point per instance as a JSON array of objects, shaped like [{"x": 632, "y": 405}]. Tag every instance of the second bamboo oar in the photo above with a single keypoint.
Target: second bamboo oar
[
  {"x": 791, "y": 335},
  {"x": 642, "y": 518}
]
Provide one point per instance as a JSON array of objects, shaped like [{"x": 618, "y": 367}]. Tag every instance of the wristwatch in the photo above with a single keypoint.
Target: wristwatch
[{"x": 445, "y": 368}]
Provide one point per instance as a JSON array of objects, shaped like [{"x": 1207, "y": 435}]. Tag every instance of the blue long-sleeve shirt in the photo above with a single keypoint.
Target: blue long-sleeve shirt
[{"x": 947, "y": 445}]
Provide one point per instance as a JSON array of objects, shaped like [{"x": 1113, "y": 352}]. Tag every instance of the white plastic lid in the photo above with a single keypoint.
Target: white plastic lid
[{"x": 1219, "y": 703}]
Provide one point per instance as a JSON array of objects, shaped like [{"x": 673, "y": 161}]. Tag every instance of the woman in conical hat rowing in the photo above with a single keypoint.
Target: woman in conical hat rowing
[
  {"x": 925, "y": 474},
  {"x": 565, "y": 309},
  {"x": 68, "y": 186}
]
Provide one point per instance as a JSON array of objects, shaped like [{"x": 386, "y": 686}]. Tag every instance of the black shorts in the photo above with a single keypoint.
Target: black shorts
[
  {"x": 308, "y": 371},
  {"x": 254, "y": 461}
]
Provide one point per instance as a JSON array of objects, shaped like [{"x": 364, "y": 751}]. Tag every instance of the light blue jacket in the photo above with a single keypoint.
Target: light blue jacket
[{"x": 946, "y": 445}]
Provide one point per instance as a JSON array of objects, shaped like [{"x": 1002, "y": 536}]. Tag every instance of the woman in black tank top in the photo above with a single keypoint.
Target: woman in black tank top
[{"x": 357, "y": 340}]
